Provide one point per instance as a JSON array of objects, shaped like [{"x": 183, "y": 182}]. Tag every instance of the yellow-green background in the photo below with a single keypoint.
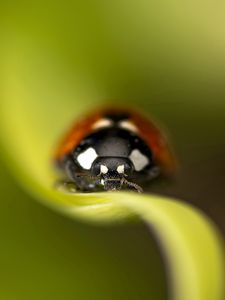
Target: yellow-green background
[{"x": 166, "y": 57}]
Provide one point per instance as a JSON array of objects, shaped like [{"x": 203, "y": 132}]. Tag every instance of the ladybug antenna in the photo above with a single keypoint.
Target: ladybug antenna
[
  {"x": 86, "y": 175},
  {"x": 132, "y": 184}
]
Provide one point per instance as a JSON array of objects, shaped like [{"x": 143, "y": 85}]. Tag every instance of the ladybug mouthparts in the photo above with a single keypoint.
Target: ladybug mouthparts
[{"x": 112, "y": 184}]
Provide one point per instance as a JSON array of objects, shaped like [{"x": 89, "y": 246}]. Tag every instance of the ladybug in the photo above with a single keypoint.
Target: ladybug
[{"x": 113, "y": 149}]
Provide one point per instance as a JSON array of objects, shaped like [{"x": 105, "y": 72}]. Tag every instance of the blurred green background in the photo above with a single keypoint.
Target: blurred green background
[{"x": 165, "y": 57}]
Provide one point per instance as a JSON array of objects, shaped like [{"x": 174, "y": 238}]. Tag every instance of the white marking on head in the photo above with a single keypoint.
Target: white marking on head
[
  {"x": 86, "y": 158},
  {"x": 139, "y": 160},
  {"x": 103, "y": 169},
  {"x": 120, "y": 169},
  {"x": 102, "y": 123},
  {"x": 128, "y": 125}
]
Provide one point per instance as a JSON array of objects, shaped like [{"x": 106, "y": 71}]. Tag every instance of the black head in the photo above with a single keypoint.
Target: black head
[{"x": 112, "y": 171}]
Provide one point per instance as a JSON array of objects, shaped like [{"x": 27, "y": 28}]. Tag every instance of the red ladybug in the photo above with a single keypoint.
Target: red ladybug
[{"x": 112, "y": 149}]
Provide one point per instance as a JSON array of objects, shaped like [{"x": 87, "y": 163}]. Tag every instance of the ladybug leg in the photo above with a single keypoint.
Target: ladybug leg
[
  {"x": 132, "y": 185},
  {"x": 66, "y": 186},
  {"x": 85, "y": 185},
  {"x": 147, "y": 176}
]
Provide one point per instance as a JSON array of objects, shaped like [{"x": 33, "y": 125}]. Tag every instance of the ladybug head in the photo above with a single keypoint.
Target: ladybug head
[{"x": 113, "y": 172}]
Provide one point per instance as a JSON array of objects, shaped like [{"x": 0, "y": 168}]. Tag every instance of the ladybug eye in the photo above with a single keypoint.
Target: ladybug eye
[{"x": 95, "y": 170}]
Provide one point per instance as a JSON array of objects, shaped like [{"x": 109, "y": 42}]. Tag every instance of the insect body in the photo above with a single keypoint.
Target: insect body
[{"x": 113, "y": 149}]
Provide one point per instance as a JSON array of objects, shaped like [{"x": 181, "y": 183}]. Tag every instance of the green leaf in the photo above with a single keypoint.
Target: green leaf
[{"x": 37, "y": 105}]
